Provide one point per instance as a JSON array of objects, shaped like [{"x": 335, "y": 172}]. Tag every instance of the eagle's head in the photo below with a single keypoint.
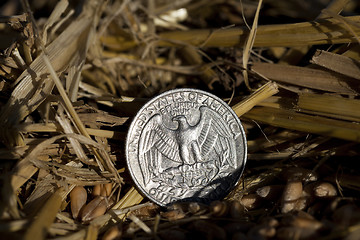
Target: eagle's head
[{"x": 181, "y": 119}]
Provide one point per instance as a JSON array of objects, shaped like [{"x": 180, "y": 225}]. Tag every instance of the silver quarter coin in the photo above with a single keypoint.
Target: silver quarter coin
[{"x": 186, "y": 145}]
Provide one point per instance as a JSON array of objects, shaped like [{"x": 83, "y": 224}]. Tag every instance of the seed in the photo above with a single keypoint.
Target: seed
[
  {"x": 96, "y": 190},
  {"x": 303, "y": 222},
  {"x": 106, "y": 189},
  {"x": 219, "y": 208},
  {"x": 251, "y": 201},
  {"x": 347, "y": 215},
  {"x": 102, "y": 190},
  {"x": 112, "y": 233},
  {"x": 325, "y": 189},
  {"x": 146, "y": 212},
  {"x": 261, "y": 231},
  {"x": 271, "y": 192},
  {"x": 236, "y": 209},
  {"x": 292, "y": 192},
  {"x": 93, "y": 209},
  {"x": 295, "y": 233},
  {"x": 270, "y": 221},
  {"x": 195, "y": 207},
  {"x": 192, "y": 207},
  {"x": 173, "y": 215},
  {"x": 78, "y": 197},
  {"x": 300, "y": 204},
  {"x": 304, "y": 201}
]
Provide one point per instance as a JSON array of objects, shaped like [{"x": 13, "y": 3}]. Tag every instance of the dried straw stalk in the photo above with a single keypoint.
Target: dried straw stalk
[
  {"x": 321, "y": 31},
  {"x": 306, "y": 123}
]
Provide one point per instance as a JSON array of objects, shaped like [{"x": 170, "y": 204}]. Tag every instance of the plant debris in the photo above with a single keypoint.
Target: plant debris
[{"x": 74, "y": 73}]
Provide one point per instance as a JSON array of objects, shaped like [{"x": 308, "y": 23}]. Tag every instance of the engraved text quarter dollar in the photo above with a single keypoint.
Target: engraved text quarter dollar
[{"x": 186, "y": 145}]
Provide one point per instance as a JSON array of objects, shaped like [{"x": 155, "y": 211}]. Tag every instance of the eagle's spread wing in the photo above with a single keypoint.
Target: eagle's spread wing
[
  {"x": 215, "y": 135},
  {"x": 156, "y": 141}
]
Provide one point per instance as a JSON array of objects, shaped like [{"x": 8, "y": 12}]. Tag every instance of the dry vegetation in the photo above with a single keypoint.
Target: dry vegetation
[{"x": 74, "y": 73}]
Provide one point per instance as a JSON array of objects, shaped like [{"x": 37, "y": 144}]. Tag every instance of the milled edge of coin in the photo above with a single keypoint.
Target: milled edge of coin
[{"x": 155, "y": 98}]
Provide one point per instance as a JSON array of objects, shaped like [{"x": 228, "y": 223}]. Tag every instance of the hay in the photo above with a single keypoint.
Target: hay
[{"x": 74, "y": 74}]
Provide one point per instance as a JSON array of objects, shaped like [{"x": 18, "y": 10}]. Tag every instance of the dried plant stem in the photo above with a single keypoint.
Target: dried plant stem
[
  {"x": 74, "y": 115},
  {"x": 131, "y": 198},
  {"x": 334, "y": 106},
  {"x": 65, "y": 97},
  {"x": 140, "y": 223},
  {"x": 55, "y": 127},
  {"x": 347, "y": 24},
  {"x": 266, "y": 91},
  {"x": 39, "y": 227},
  {"x": 295, "y": 54},
  {"x": 306, "y": 123},
  {"x": 322, "y": 31}
]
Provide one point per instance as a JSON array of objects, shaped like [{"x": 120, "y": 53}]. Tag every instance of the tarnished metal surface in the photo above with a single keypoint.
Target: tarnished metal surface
[{"x": 186, "y": 145}]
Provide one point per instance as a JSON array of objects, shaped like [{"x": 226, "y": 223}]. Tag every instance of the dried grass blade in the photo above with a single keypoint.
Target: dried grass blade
[
  {"x": 264, "y": 92},
  {"x": 33, "y": 85},
  {"x": 25, "y": 168},
  {"x": 131, "y": 198},
  {"x": 54, "y": 17},
  {"x": 140, "y": 223},
  {"x": 68, "y": 129},
  {"x": 307, "y": 77},
  {"x": 38, "y": 229},
  {"x": 337, "y": 63},
  {"x": 103, "y": 158},
  {"x": 249, "y": 44},
  {"x": 305, "y": 123}
]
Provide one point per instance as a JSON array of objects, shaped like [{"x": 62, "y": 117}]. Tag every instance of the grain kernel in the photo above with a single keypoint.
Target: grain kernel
[
  {"x": 292, "y": 192},
  {"x": 251, "y": 201},
  {"x": 173, "y": 215},
  {"x": 325, "y": 189},
  {"x": 236, "y": 209},
  {"x": 78, "y": 197},
  {"x": 219, "y": 208},
  {"x": 93, "y": 209}
]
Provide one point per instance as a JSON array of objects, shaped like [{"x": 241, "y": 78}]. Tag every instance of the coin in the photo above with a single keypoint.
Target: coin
[{"x": 186, "y": 145}]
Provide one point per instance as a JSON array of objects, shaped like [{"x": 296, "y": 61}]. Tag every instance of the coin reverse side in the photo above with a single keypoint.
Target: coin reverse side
[{"x": 186, "y": 145}]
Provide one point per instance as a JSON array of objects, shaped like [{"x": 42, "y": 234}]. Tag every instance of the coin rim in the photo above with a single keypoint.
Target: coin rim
[{"x": 128, "y": 136}]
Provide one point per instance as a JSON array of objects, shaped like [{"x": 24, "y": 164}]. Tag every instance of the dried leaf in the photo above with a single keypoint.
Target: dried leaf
[
  {"x": 337, "y": 63},
  {"x": 307, "y": 77}
]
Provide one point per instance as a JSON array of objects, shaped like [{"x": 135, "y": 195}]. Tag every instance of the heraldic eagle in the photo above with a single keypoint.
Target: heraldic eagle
[{"x": 185, "y": 144}]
